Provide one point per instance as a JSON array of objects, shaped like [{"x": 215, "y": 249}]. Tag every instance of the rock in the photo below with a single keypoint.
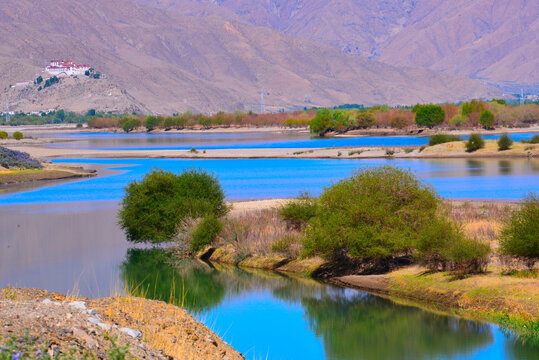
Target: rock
[
  {"x": 97, "y": 322},
  {"x": 210, "y": 340},
  {"x": 81, "y": 334},
  {"x": 46, "y": 302},
  {"x": 131, "y": 332},
  {"x": 79, "y": 305}
]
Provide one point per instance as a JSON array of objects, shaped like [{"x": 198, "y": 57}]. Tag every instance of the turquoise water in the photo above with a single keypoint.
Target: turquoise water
[
  {"x": 270, "y": 315},
  {"x": 244, "y": 179},
  {"x": 251, "y": 140}
]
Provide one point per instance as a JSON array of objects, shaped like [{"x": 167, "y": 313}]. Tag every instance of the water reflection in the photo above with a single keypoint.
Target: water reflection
[{"x": 286, "y": 318}]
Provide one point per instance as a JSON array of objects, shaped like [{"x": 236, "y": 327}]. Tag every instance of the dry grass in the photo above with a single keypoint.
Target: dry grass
[{"x": 255, "y": 232}]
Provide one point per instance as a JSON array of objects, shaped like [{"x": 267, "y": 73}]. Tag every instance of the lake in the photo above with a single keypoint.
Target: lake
[
  {"x": 248, "y": 140},
  {"x": 245, "y": 179},
  {"x": 79, "y": 248}
]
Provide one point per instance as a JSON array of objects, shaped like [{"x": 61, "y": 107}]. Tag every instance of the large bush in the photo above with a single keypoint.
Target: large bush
[
  {"x": 429, "y": 115},
  {"x": 17, "y": 159},
  {"x": 475, "y": 142},
  {"x": 17, "y": 135},
  {"x": 3, "y": 135},
  {"x": 321, "y": 123},
  {"x": 377, "y": 213},
  {"x": 533, "y": 140},
  {"x": 520, "y": 236},
  {"x": 442, "y": 138},
  {"x": 155, "y": 208}
]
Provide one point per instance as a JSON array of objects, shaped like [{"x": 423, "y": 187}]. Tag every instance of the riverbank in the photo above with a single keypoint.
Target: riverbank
[
  {"x": 135, "y": 327},
  {"x": 447, "y": 150},
  {"x": 506, "y": 297},
  {"x": 48, "y": 172}
]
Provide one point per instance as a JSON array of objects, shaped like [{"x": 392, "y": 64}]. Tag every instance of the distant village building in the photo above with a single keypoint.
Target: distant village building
[{"x": 66, "y": 68}]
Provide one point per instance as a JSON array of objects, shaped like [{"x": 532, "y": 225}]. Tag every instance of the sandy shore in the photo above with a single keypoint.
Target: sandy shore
[{"x": 448, "y": 150}]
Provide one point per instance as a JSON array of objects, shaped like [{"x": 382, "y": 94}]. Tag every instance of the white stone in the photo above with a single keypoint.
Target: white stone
[
  {"x": 79, "y": 305},
  {"x": 131, "y": 332}
]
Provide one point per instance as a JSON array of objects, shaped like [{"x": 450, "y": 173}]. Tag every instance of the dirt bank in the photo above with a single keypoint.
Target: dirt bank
[
  {"x": 148, "y": 329},
  {"x": 49, "y": 172}
]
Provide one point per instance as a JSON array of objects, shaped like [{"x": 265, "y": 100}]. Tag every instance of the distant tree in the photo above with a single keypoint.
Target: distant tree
[
  {"x": 39, "y": 80},
  {"x": 499, "y": 101},
  {"x": 365, "y": 119},
  {"x": 321, "y": 123},
  {"x": 97, "y": 76},
  {"x": 486, "y": 119},
  {"x": 91, "y": 112},
  {"x": 60, "y": 116},
  {"x": 472, "y": 106},
  {"x": 152, "y": 122},
  {"x": 429, "y": 115},
  {"x": 87, "y": 73}
]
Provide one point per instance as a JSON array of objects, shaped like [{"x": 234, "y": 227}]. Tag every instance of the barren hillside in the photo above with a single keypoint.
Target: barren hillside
[{"x": 171, "y": 62}]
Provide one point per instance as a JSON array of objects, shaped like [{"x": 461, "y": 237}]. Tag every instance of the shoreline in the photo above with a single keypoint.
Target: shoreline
[
  {"x": 50, "y": 172},
  {"x": 453, "y": 150}
]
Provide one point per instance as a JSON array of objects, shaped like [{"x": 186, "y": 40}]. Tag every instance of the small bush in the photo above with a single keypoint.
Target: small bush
[
  {"x": 79, "y": 125},
  {"x": 3, "y": 135},
  {"x": 408, "y": 150},
  {"x": 520, "y": 236},
  {"x": 205, "y": 232},
  {"x": 17, "y": 135},
  {"x": 297, "y": 213},
  {"x": 504, "y": 142},
  {"x": 533, "y": 140},
  {"x": 442, "y": 138},
  {"x": 475, "y": 142},
  {"x": 390, "y": 152},
  {"x": 283, "y": 245},
  {"x": 157, "y": 207},
  {"x": 468, "y": 256},
  {"x": 399, "y": 122},
  {"x": 193, "y": 150}
]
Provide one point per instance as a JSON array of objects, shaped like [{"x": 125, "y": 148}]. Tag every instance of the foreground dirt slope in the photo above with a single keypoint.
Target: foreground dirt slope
[{"x": 150, "y": 329}]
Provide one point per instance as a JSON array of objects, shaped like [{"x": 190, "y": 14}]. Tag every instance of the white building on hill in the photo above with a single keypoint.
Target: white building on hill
[{"x": 66, "y": 68}]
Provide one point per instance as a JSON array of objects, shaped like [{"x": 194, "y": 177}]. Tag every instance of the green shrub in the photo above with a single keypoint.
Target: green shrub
[
  {"x": 377, "y": 213},
  {"x": 79, "y": 125},
  {"x": 442, "y": 138},
  {"x": 282, "y": 246},
  {"x": 520, "y": 236},
  {"x": 3, "y": 135},
  {"x": 128, "y": 123},
  {"x": 468, "y": 256},
  {"x": 297, "y": 213},
  {"x": 205, "y": 232},
  {"x": 154, "y": 209},
  {"x": 533, "y": 140},
  {"x": 486, "y": 119},
  {"x": 459, "y": 119},
  {"x": 504, "y": 142},
  {"x": 365, "y": 119},
  {"x": 398, "y": 122},
  {"x": 475, "y": 142},
  {"x": 428, "y": 115},
  {"x": 17, "y": 135}
]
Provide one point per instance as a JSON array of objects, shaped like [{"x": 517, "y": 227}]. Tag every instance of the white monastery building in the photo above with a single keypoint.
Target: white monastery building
[{"x": 66, "y": 68}]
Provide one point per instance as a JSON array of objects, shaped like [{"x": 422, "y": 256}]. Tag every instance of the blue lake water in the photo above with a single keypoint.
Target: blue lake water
[
  {"x": 244, "y": 179},
  {"x": 251, "y": 140}
]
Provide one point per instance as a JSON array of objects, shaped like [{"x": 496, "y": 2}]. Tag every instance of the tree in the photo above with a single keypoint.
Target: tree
[
  {"x": 520, "y": 236},
  {"x": 321, "y": 123},
  {"x": 152, "y": 122},
  {"x": 504, "y": 142},
  {"x": 475, "y": 142},
  {"x": 91, "y": 112},
  {"x": 486, "y": 119},
  {"x": 157, "y": 207},
  {"x": 39, "y": 80},
  {"x": 365, "y": 119},
  {"x": 59, "y": 116},
  {"x": 429, "y": 115}
]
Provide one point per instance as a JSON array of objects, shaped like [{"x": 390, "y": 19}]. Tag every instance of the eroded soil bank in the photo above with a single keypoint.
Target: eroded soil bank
[{"x": 146, "y": 329}]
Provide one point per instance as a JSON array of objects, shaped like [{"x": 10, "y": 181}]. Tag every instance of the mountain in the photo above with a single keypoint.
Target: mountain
[
  {"x": 170, "y": 61},
  {"x": 495, "y": 40}
]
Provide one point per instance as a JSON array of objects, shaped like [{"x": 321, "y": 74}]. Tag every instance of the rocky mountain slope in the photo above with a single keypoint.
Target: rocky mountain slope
[
  {"x": 494, "y": 40},
  {"x": 203, "y": 61}
]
